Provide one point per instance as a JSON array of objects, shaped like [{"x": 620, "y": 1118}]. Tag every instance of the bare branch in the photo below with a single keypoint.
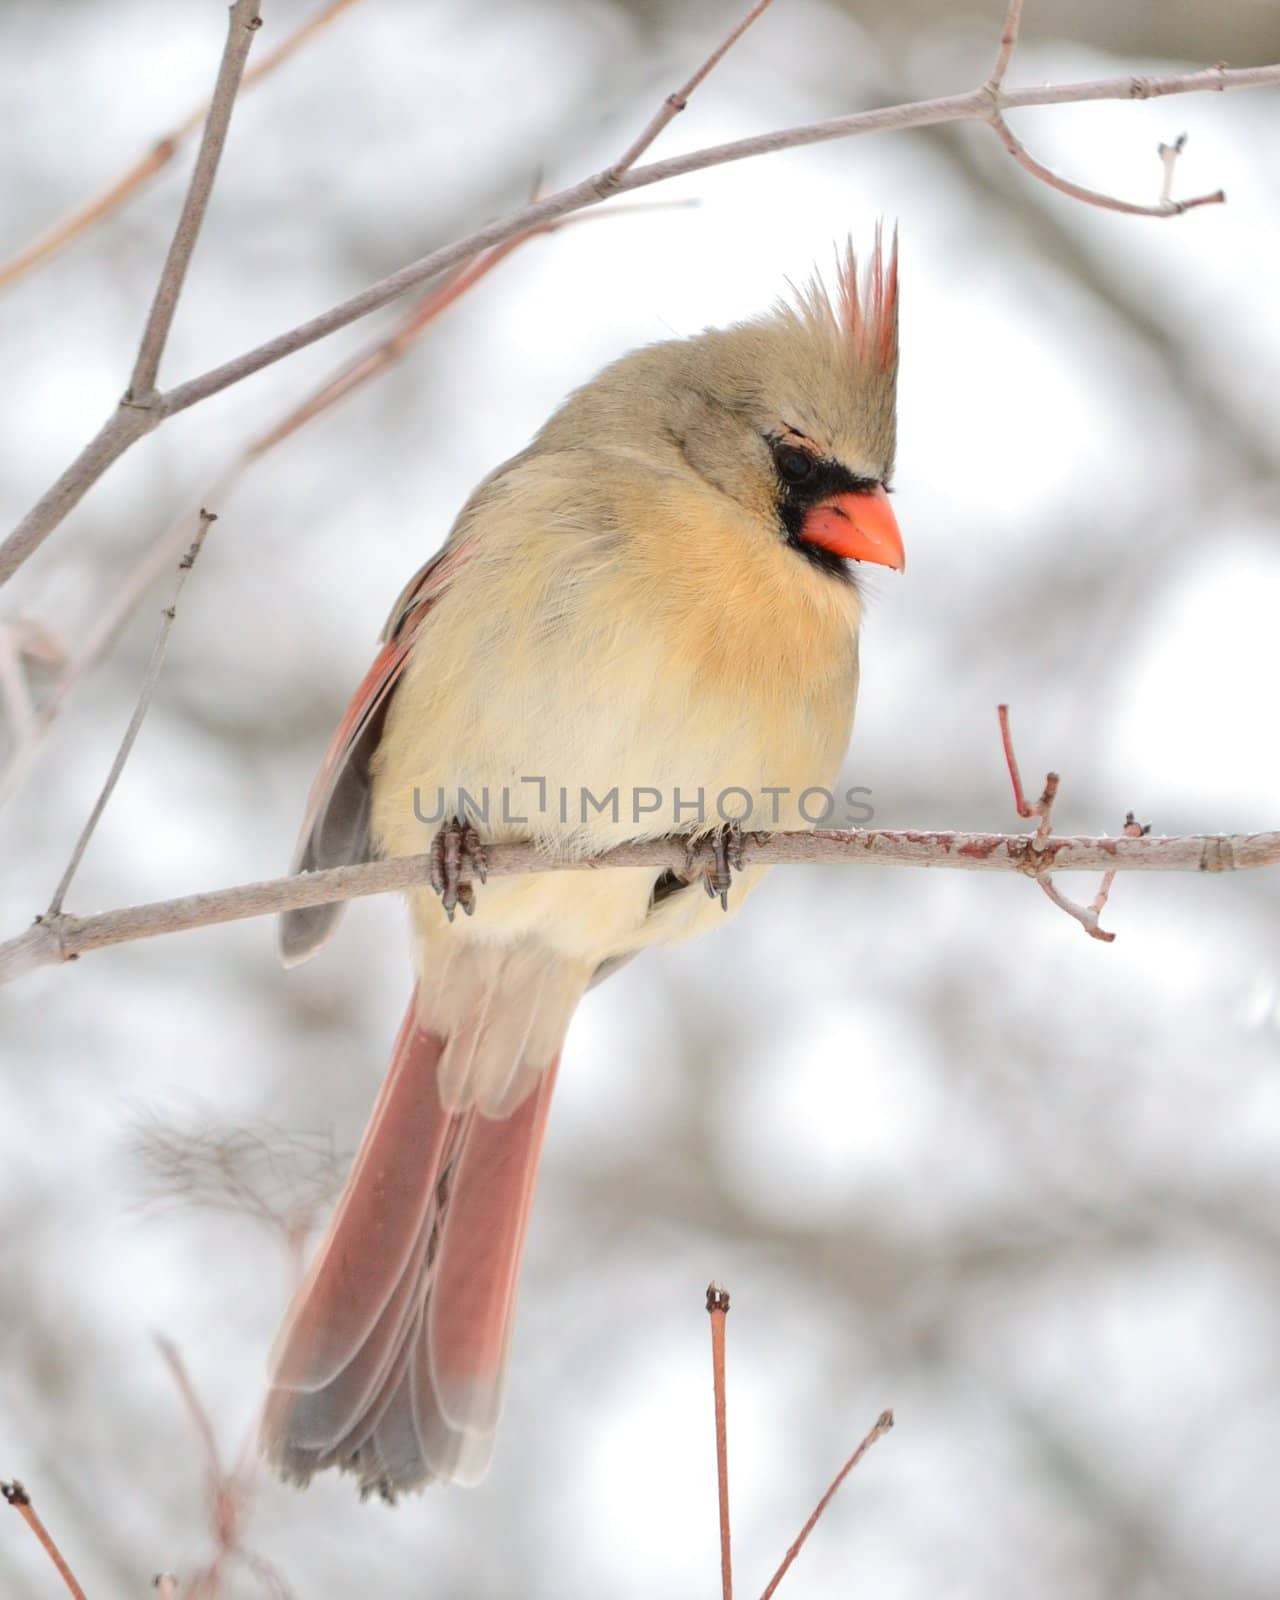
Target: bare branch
[
  {"x": 975, "y": 106},
  {"x": 979, "y": 105},
  {"x": 1008, "y": 43},
  {"x": 150, "y": 678},
  {"x": 65, "y": 937},
  {"x": 718, "y": 1310},
  {"x": 678, "y": 99},
  {"x": 1167, "y": 206},
  {"x": 194, "y": 1405},
  {"x": 160, "y": 154},
  {"x": 124, "y": 427},
  {"x": 229, "y": 1492},
  {"x": 1086, "y": 916},
  {"x": 1164, "y": 207},
  {"x": 242, "y": 23},
  {"x": 16, "y": 1496},
  {"x": 878, "y": 1430}
]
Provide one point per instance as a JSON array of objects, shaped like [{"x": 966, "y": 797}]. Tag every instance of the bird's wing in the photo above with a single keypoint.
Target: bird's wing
[{"x": 335, "y": 830}]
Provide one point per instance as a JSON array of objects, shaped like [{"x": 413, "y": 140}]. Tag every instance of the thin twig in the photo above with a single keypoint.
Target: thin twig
[
  {"x": 1087, "y": 916},
  {"x": 1008, "y": 44},
  {"x": 20, "y": 1500},
  {"x": 242, "y": 23},
  {"x": 1043, "y": 808},
  {"x": 1011, "y": 761},
  {"x": 1133, "y": 829},
  {"x": 117, "y": 435},
  {"x": 150, "y": 677},
  {"x": 194, "y": 1406},
  {"x": 678, "y": 99},
  {"x": 1084, "y": 915},
  {"x": 881, "y": 1426},
  {"x": 718, "y": 1310},
  {"x": 1164, "y": 207},
  {"x": 1167, "y": 205},
  {"x": 1041, "y": 839},
  {"x": 229, "y": 1496},
  {"x": 1169, "y": 154},
  {"x": 66, "y": 937},
  {"x": 157, "y": 157}
]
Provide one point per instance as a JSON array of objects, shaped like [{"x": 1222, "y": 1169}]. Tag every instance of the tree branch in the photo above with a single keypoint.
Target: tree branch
[
  {"x": 1165, "y": 206},
  {"x": 718, "y": 1310},
  {"x": 65, "y": 937},
  {"x": 678, "y": 99},
  {"x": 979, "y": 105},
  {"x": 15, "y": 1495},
  {"x": 878, "y": 1429},
  {"x": 150, "y": 678},
  {"x": 1008, "y": 44},
  {"x": 1086, "y": 916},
  {"x": 242, "y": 23}
]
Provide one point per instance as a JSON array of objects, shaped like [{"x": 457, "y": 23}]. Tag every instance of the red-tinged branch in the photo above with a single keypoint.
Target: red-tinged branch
[
  {"x": 16, "y": 1496},
  {"x": 1086, "y": 916},
  {"x": 878, "y": 1430},
  {"x": 64, "y": 937},
  {"x": 718, "y": 1310}
]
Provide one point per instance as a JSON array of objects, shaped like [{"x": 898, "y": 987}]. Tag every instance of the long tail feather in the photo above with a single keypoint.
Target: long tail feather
[{"x": 392, "y": 1359}]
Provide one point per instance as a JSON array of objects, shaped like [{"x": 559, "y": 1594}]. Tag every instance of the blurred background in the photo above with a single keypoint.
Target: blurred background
[{"x": 949, "y": 1154}]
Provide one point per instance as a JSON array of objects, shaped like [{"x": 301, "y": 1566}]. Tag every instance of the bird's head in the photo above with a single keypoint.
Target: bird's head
[
  {"x": 794, "y": 415},
  {"x": 790, "y": 414}
]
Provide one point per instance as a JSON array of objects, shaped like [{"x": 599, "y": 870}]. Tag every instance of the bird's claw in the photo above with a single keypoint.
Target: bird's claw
[
  {"x": 457, "y": 856},
  {"x": 715, "y": 857}
]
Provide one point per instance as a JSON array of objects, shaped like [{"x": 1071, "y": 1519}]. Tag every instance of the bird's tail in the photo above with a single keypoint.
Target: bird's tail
[{"x": 391, "y": 1360}]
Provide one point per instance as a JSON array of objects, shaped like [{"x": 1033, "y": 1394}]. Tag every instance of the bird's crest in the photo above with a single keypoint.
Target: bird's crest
[{"x": 862, "y": 314}]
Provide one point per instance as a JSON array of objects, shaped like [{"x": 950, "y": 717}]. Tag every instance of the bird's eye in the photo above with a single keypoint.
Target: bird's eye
[{"x": 793, "y": 465}]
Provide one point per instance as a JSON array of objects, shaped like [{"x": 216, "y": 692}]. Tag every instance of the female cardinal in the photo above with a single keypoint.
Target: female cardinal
[{"x": 655, "y": 599}]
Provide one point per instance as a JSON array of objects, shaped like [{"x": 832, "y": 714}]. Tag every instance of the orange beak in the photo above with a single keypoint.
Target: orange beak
[{"x": 861, "y": 527}]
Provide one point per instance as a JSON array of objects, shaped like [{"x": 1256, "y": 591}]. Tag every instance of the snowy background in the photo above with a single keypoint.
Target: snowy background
[{"x": 949, "y": 1154}]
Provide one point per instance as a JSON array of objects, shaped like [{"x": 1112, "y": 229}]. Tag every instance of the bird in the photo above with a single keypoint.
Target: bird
[{"x": 659, "y": 597}]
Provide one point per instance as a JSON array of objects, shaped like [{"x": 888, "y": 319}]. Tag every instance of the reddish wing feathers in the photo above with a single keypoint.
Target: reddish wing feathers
[{"x": 335, "y": 829}]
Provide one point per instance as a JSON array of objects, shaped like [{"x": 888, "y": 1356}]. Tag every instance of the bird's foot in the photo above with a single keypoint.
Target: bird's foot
[
  {"x": 457, "y": 856},
  {"x": 715, "y": 857}
]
